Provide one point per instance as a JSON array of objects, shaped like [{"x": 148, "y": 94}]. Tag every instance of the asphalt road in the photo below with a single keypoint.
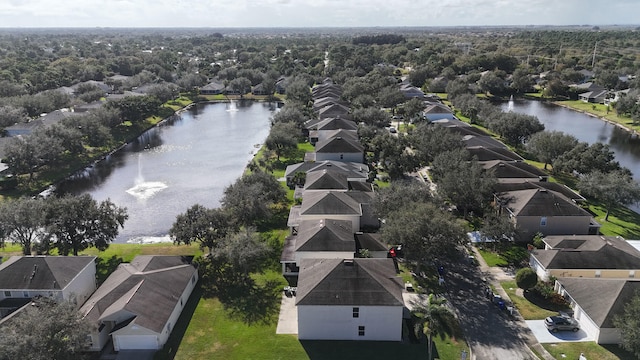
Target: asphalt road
[{"x": 490, "y": 332}]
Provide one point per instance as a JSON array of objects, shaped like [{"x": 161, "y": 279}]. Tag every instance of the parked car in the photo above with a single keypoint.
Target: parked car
[
  {"x": 393, "y": 130},
  {"x": 561, "y": 323}
]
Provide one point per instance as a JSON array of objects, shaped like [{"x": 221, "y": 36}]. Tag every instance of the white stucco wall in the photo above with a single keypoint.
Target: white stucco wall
[
  {"x": 323, "y": 255},
  {"x": 175, "y": 314},
  {"x": 82, "y": 286},
  {"x": 382, "y": 323},
  {"x": 609, "y": 336},
  {"x": 344, "y": 157},
  {"x": 538, "y": 268}
]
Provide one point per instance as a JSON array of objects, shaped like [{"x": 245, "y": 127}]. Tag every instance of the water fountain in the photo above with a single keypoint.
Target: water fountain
[
  {"x": 510, "y": 105},
  {"x": 233, "y": 107},
  {"x": 143, "y": 190}
]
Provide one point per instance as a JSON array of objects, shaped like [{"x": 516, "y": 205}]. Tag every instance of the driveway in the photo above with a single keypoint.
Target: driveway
[
  {"x": 135, "y": 355},
  {"x": 545, "y": 336}
]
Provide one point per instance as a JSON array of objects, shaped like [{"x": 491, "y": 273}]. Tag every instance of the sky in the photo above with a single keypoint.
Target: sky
[{"x": 314, "y": 13}]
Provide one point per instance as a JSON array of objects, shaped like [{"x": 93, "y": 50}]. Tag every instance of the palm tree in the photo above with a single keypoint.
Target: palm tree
[{"x": 433, "y": 318}]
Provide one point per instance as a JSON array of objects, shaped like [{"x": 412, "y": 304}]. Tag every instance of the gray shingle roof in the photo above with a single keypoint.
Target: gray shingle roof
[
  {"x": 325, "y": 235},
  {"x": 588, "y": 252},
  {"x": 513, "y": 170},
  {"x": 484, "y": 154},
  {"x": 541, "y": 202},
  {"x": 357, "y": 282},
  {"x": 326, "y": 180},
  {"x": 339, "y": 145},
  {"x": 41, "y": 272},
  {"x": 613, "y": 294},
  {"x": 330, "y": 203},
  {"x": 148, "y": 288}
]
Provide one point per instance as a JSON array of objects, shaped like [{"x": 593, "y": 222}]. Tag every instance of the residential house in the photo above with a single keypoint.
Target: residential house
[
  {"x": 514, "y": 171},
  {"x": 595, "y": 303},
  {"x": 318, "y": 239},
  {"x": 140, "y": 302},
  {"x": 281, "y": 85},
  {"x": 349, "y": 299},
  {"x": 354, "y": 171},
  {"x": 373, "y": 243},
  {"x": 588, "y": 75},
  {"x": 586, "y": 256},
  {"x": 339, "y": 149},
  {"x": 213, "y": 88},
  {"x": 409, "y": 91},
  {"x": 596, "y": 96},
  {"x": 437, "y": 111},
  {"x": 502, "y": 187},
  {"x": 487, "y": 154},
  {"x": 544, "y": 211},
  {"x": 333, "y": 110},
  {"x": 330, "y": 179},
  {"x": 484, "y": 141},
  {"x": 337, "y": 205},
  {"x": 325, "y": 135},
  {"x": 68, "y": 278},
  {"x": 331, "y": 99}
]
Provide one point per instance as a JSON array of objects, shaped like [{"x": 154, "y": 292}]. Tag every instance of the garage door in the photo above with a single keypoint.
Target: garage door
[{"x": 135, "y": 342}]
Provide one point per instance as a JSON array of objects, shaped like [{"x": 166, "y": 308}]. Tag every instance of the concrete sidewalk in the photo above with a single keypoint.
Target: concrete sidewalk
[{"x": 494, "y": 275}]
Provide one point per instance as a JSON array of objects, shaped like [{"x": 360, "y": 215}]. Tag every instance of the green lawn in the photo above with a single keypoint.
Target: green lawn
[
  {"x": 622, "y": 221},
  {"x": 527, "y": 309},
  {"x": 450, "y": 348},
  {"x": 210, "y": 330},
  {"x": 492, "y": 258},
  {"x": 591, "y": 350},
  {"x": 599, "y": 110}
]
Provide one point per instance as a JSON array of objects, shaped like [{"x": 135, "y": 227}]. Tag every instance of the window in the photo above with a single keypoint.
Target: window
[
  {"x": 543, "y": 221},
  {"x": 89, "y": 340},
  {"x": 7, "y": 293},
  {"x": 598, "y": 273},
  {"x": 181, "y": 302},
  {"x": 360, "y": 330},
  {"x": 25, "y": 294},
  {"x": 356, "y": 312},
  {"x": 341, "y": 156}
]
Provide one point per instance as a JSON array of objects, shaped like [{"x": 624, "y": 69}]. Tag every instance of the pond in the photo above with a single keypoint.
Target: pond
[{"x": 184, "y": 161}]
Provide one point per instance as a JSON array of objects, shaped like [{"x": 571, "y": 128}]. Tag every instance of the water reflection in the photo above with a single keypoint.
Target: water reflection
[{"x": 184, "y": 161}]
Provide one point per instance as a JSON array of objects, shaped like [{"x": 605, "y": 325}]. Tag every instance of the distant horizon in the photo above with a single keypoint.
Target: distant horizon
[{"x": 313, "y": 13}]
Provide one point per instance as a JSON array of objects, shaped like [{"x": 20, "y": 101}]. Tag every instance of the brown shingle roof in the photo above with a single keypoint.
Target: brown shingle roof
[{"x": 41, "y": 272}]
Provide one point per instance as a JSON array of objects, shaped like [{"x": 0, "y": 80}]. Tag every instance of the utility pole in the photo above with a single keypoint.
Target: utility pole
[
  {"x": 593, "y": 61},
  {"x": 559, "y": 53}
]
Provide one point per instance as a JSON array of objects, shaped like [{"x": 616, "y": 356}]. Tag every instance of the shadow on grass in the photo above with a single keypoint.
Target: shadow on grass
[
  {"x": 104, "y": 267},
  {"x": 621, "y": 353},
  {"x": 365, "y": 350},
  {"x": 168, "y": 352},
  {"x": 244, "y": 299},
  {"x": 540, "y": 301}
]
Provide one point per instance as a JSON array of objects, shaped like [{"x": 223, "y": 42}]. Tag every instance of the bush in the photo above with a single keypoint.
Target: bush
[
  {"x": 516, "y": 256},
  {"x": 526, "y": 278}
]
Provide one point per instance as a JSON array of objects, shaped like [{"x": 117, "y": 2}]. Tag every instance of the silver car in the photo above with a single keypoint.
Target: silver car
[{"x": 558, "y": 323}]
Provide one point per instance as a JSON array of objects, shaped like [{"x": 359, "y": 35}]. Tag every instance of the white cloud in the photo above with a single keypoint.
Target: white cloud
[{"x": 279, "y": 13}]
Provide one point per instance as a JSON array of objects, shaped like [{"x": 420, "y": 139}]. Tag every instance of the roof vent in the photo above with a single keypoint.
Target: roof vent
[
  {"x": 348, "y": 262},
  {"x": 543, "y": 190},
  {"x": 339, "y": 138}
]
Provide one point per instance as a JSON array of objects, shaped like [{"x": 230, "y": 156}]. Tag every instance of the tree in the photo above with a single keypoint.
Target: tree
[
  {"x": 251, "y": 197},
  {"x": 628, "y": 322},
  {"x": 430, "y": 141},
  {"x": 413, "y": 108},
  {"x": 240, "y": 85},
  {"x": 10, "y": 115},
  {"x": 613, "y": 188},
  {"x": 292, "y": 113},
  {"x": 393, "y": 154},
  {"x": 390, "y": 97},
  {"x": 282, "y": 138},
  {"x": 21, "y": 156},
  {"x": 398, "y": 195},
  {"x": 205, "y": 226},
  {"x": 462, "y": 181},
  {"x": 425, "y": 231},
  {"x": 46, "y": 330},
  {"x": 498, "y": 228},
  {"x": 79, "y": 222},
  {"x": 434, "y": 318},
  {"x": 521, "y": 81},
  {"x": 585, "y": 158},
  {"x": 547, "y": 146},
  {"x": 136, "y": 108},
  {"x": 298, "y": 90},
  {"x": 526, "y": 278},
  {"x": 515, "y": 128},
  {"x": 371, "y": 116},
  {"x": 244, "y": 251},
  {"x": 23, "y": 222},
  {"x": 493, "y": 82},
  {"x": 456, "y": 88}
]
